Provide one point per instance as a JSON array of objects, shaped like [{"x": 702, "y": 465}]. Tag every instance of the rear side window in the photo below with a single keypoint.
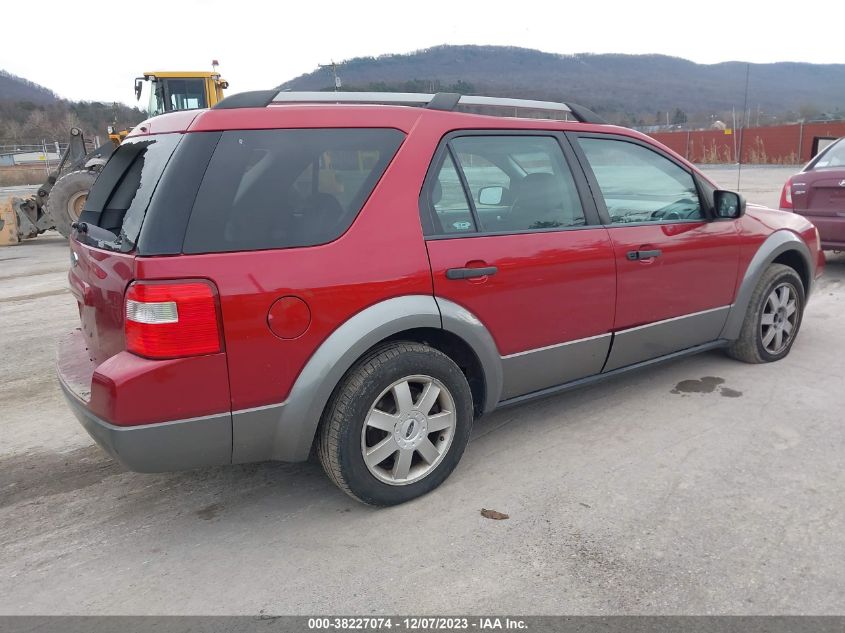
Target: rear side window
[
  {"x": 121, "y": 194},
  {"x": 283, "y": 188},
  {"x": 519, "y": 183},
  {"x": 450, "y": 202},
  {"x": 832, "y": 158},
  {"x": 514, "y": 183}
]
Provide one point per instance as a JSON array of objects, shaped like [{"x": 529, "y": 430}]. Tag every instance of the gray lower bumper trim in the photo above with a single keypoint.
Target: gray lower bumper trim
[
  {"x": 589, "y": 380},
  {"x": 658, "y": 339},
  {"x": 260, "y": 434},
  {"x": 164, "y": 447},
  {"x": 538, "y": 369}
]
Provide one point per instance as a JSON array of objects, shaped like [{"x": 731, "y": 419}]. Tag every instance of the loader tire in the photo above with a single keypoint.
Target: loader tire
[{"x": 67, "y": 197}]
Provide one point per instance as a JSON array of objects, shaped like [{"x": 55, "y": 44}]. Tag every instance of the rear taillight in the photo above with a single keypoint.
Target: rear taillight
[
  {"x": 786, "y": 195},
  {"x": 172, "y": 319}
]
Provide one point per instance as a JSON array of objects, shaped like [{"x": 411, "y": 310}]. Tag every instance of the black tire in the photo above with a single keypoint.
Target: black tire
[
  {"x": 67, "y": 197},
  {"x": 341, "y": 437},
  {"x": 750, "y": 347}
]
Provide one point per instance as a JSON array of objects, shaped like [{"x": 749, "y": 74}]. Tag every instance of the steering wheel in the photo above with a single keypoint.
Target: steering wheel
[{"x": 662, "y": 214}]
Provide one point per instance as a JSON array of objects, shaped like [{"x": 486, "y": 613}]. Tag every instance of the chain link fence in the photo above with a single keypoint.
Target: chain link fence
[{"x": 31, "y": 163}]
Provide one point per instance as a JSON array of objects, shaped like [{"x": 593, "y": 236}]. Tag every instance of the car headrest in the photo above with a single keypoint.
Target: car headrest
[
  {"x": 436, "y": 192},
  {"x": 539, "y": 188}
]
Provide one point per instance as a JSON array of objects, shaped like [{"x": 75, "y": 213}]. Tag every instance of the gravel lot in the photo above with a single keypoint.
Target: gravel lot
[
  {"x": 759, "y": 184},
  {"x": 724, "y": 494}
]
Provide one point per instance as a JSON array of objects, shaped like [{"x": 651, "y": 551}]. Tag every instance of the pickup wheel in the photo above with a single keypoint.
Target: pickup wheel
[
  {"x": 773, "y": 317},
  {"x": 396, "y": 425}
]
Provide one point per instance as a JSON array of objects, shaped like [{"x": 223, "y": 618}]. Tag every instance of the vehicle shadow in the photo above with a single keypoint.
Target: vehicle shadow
[{"x": 835, "y": 260}]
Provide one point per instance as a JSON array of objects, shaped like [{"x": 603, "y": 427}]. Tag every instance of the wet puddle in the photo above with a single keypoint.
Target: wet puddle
[{"x": 708, "y": 384}]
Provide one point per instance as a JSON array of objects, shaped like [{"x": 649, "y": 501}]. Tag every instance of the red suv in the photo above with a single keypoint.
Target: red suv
[{"x": 343, "y": 273}]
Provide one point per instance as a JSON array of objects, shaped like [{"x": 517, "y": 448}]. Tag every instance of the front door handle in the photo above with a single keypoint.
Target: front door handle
[
  {"x": 469, "y": 273},
  {"x": 638, "y": 255}
]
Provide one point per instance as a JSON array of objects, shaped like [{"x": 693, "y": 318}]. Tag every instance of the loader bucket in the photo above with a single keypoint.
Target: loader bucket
[{"x": 9, "y": 233}]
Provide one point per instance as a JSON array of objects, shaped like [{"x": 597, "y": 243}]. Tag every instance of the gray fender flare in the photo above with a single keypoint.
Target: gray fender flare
[
  {"x": 465, "y": 325},
  {"x": 777, "y": 243},
  {"x": 285, "y": 431}
]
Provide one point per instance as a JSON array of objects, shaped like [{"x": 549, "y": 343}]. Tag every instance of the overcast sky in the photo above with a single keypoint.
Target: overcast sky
[{"x": 93, "y": 49}]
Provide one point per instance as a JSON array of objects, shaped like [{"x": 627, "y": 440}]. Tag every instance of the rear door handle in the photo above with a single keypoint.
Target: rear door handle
[
  {"x": 637, "y": 255},
  {"x": 469, "y": 273}
]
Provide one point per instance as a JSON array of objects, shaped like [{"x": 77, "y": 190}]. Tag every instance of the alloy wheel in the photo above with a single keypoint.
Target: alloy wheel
[
  {"x": 408, "y": 430},
  {"x": 779, "y": 319}
]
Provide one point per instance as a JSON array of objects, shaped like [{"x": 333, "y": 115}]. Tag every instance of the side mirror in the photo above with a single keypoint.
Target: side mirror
[
  {"x": 139, "y": 85},
  {"x": 728, "y": 204},
  {"x": 491, "y": 195}
]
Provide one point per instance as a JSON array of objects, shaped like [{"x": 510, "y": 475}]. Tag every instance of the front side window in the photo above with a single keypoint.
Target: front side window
[
  {"x": 640, "y": 185},
  {"x": 518, "y": 183},
  {"x": 284, "y": 188}
]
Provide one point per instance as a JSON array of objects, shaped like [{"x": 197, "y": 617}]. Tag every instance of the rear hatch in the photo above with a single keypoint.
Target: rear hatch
[{"x": 103, "y": 263}]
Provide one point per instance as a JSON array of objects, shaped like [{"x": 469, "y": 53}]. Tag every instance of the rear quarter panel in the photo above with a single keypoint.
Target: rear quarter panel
[{"x": 382, "y": 255}]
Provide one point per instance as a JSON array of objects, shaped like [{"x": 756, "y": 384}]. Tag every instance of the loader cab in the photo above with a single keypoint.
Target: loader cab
[{"x": 160, "y": 92}]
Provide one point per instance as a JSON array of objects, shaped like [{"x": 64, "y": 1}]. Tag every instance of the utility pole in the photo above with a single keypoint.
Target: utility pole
[
  {"x": 744, "y": 125},
  {"x": 734, "y": 133},
  {"x": 337, "y": 83}
]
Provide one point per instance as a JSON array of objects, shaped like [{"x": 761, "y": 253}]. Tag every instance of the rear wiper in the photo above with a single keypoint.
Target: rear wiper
[{"x": 94, "y": 232}]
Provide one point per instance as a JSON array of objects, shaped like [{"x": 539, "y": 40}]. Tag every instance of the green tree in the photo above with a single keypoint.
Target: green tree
[
  {"x": 462, "y": 87},
  {"x": 809, "y": 111}
]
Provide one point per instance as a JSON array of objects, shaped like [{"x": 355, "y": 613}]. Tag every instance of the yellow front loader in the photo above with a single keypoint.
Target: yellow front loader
[{"x": 168, "y": 91}]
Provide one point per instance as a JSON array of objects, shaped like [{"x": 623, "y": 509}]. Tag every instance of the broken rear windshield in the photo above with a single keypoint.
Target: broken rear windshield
[{"x": 121, "y": 194}]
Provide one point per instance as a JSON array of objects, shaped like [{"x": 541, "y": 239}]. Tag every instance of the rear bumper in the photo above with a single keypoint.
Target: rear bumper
[
  {"x": 831, "y": 230},
  {"x": 145, "y": 448},
  {"x": 832, "y": 246}
]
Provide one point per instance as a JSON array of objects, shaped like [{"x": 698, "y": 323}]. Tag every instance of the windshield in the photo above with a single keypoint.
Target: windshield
[{"x": 169, "y": 95}]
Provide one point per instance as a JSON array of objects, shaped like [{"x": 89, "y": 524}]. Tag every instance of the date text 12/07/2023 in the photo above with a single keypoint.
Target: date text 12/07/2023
[{"x": 423, "y": 623}]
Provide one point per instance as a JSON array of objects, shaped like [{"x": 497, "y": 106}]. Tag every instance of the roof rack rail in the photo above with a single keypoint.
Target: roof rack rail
[
  {"x": 446, "y": 101},
  {"x": 251, "y": 99}
]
